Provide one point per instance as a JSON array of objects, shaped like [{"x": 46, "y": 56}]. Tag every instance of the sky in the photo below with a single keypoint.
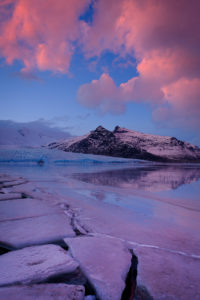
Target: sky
[{"x": 78, "y": 64}]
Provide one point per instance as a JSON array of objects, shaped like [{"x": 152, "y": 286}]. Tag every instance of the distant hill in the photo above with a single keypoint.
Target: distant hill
[
  {"x": 32, "y": 134},
  {"x": 122, "y": 142}
]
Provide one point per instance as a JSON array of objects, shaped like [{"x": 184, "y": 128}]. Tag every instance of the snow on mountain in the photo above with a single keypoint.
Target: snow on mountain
[
  {"x": 32, "y": 134},
  {"x": 61, "y": 145},
  {"x": 122, "y": 142}
]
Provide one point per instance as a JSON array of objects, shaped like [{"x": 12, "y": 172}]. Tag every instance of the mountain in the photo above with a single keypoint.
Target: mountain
[
  {"x": 122, "y": 142},
  {"x": 31, "y": 134}
]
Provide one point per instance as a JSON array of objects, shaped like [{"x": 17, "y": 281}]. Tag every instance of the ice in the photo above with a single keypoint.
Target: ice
[
  {"x": 168, "y": 275},
  {"x": 43, "y": 155},
  {"x": 35, "y": 264},
  {"x": 35, "y": 230},
  {"x": 10, "y": 196},
  {"x": 43, "y": 292},
  {"x": 25, "y": 208},
  {"x": 104, "y": 261},
  {"x": 150, "y": 208}
]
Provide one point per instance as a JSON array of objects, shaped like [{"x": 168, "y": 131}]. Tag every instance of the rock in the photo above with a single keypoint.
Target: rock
[
  {"x": 24, "y": 208},
  {"x": 37, "y": 230},
  {"x": 104, "y": 261},
  {"x": 43, "y": 292},
  {"x": 35, "y": 264}
]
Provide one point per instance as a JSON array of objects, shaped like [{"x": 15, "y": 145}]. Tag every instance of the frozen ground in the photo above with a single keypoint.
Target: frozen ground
[{"x": 152, "y": 209}]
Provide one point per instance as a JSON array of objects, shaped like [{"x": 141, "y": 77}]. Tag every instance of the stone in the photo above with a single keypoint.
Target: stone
[{"x": 35, "y": 264}]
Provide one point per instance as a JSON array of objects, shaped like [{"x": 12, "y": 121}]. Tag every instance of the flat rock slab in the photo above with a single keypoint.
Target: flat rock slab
[
  {"x": 104, "y": 261},
  {"x": 24, "y": 208},
  {"x": 37, "y": 230},
  {"x": 43, "y": 292},
  {"x": 35, "y": 264}
]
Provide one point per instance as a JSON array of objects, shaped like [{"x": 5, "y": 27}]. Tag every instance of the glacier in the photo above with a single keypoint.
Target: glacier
[{"x": 34, "y": 155}]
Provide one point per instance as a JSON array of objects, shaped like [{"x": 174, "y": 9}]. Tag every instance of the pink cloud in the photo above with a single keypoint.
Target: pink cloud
[
  {"x": 183, "y": 107},
  {"x": 40, "y": 33},
  {"x": 102, "y": 94},
  {"x": 143, "y": 26},
  {"x": 164, "y": 38},
  {"x": 184, "y": 94}
]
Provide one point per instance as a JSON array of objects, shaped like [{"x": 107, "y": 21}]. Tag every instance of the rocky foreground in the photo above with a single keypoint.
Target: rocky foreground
[
  {"x": 46, "y": 254},
  {"x": 122, "y": 142}
]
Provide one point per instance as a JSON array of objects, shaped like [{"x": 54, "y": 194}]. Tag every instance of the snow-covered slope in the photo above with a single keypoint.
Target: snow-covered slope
[
  {"x": 122, "y": 142},
  {"x": 32, "y": 134}
]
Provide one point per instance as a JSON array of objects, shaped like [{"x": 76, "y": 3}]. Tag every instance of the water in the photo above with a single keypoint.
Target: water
[{"x": 175, "y": 183}]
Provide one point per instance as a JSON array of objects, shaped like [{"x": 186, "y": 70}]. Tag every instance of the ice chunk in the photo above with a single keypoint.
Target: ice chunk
[
  {"x": 43, "y": 292},
  {"x": 35, "y": 264},
  {"x": 10, "y": 196},
  {"x": 25, "y": 208},
  {"x": 168, "y": 275},
  {"x": 37, "y": 230},
  {"x": 104, "y": 261}
]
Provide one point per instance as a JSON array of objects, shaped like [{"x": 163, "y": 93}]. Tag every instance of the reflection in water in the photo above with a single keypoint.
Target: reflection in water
[{"x": 154, "y": 178}]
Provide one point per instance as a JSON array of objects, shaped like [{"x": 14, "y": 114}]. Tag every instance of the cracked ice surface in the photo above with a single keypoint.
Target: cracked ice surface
[
  {"x": 43, "y": 292},
  {"x": 25, "y": 208},
  {"x": 154, "y": 210},
  {"x": 104, "y": 261},
  {"x": 35, "y": 264},
  {"x": 35, "y": 230}
]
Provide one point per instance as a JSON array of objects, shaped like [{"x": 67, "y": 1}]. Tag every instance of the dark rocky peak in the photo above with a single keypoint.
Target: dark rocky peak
[
  {"x": 174, "y": 141},
  {"x": 119, "y": 129},
  {"x": 116, "y": 129},
  {"x": 100, "y": 132},
  {"x": 100, "y": 129}
]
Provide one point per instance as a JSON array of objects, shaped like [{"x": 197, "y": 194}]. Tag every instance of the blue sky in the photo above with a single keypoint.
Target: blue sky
[{"x": 53, "y": 96}]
